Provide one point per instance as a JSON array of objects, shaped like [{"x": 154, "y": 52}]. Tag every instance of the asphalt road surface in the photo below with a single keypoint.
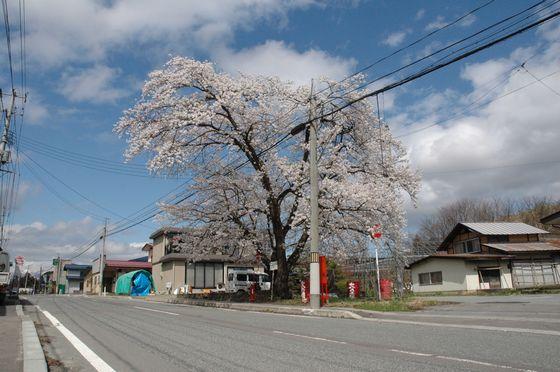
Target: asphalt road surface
[{"x": 135, "y": 335}]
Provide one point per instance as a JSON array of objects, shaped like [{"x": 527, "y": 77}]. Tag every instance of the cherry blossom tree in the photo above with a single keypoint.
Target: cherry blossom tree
[{"x": 251, "y": 177}]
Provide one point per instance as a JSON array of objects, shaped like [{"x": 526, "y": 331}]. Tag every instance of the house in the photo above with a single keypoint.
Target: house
[
  {"x": 172, "y": 267},
  {"x": 111, "y": 272},
  {"x": 59, "y": 282},
  {"x": 75, "y": 275},
  {"x": 553, "y": 220},
  {"x": 488, "y": 255}
]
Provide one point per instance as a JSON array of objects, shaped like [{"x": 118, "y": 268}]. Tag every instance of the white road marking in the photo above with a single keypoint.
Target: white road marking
[
  {"x": 468, "y": 326},
  {"x": 310, "y": 337},
  {"x": 154, "y": 310},
  {"x": 482, "y": 363},
  {"x": 412, "y": 353},
  {"x": 462, "y": 360},
  {"x": 279, "y": 314},
  {"x": 96, "y": 362},
  {"x": 478, "y": 317}
]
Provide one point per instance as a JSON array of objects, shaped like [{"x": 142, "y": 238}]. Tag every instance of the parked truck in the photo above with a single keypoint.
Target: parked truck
[{"x": 4, "y": 275}]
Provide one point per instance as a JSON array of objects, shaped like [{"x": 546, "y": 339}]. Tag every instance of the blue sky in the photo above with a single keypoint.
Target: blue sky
[{"x": 87, "y": 62}]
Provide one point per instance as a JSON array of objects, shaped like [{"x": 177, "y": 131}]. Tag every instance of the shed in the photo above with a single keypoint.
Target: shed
[{"x": 135, "y": 283}]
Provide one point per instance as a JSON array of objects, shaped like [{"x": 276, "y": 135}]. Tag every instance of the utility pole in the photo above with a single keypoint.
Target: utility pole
[
  {"x": 40, "y": 279},
  {"x": 102, "y": 258},
  {"x": 314, "y": 275},
  {"x": 58, "y": 267},
  {"x": 26, "y": 276},
  {"x": 5, "y": 155}
]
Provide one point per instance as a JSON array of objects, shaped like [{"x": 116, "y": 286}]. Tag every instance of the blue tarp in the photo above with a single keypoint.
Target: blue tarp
[
  {"x": 135, "y": 283},
  {"x": 141, "y": 285}
]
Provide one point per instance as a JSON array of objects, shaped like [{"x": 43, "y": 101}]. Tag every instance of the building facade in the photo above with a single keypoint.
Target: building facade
[
  {"x": 172, "y": 269},
  {"x": 481, "y": 256}
]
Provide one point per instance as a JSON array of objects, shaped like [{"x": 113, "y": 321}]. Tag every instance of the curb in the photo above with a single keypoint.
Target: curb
[
  {"x": 33, "y": 357},
  {"x": 327, "y": 313}
]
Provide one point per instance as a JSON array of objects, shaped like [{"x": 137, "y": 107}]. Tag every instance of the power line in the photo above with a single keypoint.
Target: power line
[
  {"x": 57, "y": 195},
  {"x": 462, "y": 113},
  {"x": 540, "y": 80},
  {"x": 428, "y": 70},
  {"x": 415, "y": 42},
  {"x": 8, "y": 39}
]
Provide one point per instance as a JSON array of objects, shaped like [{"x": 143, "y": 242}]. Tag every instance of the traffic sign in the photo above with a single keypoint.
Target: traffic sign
[{"x": 273, "y": 265}]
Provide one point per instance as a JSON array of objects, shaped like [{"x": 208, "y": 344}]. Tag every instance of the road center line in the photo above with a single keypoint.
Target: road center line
[
  {"x": 96, "y": 362},
  {"x": 154, "y": 310},
  {"x": 310, "y": 337}
]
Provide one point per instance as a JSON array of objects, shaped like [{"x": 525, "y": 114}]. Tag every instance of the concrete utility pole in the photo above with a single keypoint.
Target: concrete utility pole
[
  {"x": 102, "y": 259},
  {"x": 5, "y": 155},
  {"x": 58, "y": 267},
  {"x": 314, "y": 275}
]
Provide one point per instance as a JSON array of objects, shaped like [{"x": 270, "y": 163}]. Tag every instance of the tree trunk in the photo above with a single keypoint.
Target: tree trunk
[{"x": 281, "y": 279}]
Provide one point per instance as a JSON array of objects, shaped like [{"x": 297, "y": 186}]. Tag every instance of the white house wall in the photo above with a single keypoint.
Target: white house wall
[{"x": 454, "y": 275}]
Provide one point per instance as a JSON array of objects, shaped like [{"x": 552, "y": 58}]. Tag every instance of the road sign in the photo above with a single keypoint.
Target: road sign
[
  {"x": 19, "y": 260},
  {"x": 375, "y": 231},
  {"x": 273, "y": 265},
  {"x": 55, "y": 261}
]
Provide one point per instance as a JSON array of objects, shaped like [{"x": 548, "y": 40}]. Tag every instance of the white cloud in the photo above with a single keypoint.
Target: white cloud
[
  {"x": 441, "y": 21},
  {"x": 40, "y": 242},
  {"x": 95, "y": 84},
  {"x": 520, "y": 129},
  {"x": 420, "y": 14},
  {"x": 396, "y": 38},
  {"x": 275, "y": 58},
  {"x": 437, "y": 23},
  {"x": 85, "y": 31}
]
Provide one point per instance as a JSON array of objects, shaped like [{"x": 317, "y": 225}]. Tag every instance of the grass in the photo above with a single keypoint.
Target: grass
[
  {"x": 496, "y": 292},
  {"x": 406, "y": 304}
]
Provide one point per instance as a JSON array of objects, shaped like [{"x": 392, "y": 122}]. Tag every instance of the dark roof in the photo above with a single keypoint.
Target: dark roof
[
  {"x": 140, "y": 259},
  {"x": 525, "y": 247},
  {"x": 77, "y": 267},
  {"x": 167, "y": 230},
  {"x": 464, "y": 256},
  {"x": 492, "y": 228},
  {"x": 553, "y": 219},
  {"x": 128, "y": 264}
]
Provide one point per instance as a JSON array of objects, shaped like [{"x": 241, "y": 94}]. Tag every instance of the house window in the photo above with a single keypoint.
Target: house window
[
  {"x": 468, "y": 246},
  {"x": 432, "y": 278},
  {"x": 204, "y": 274},
  {"x": 498, "y": 239}
]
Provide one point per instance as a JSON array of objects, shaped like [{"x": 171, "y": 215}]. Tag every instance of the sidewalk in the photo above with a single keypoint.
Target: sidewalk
[
  {"x": 340, "y": 313},
  {"x": 11, "y": 352}
]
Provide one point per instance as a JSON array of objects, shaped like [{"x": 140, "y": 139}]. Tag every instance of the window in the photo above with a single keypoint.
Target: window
[
  {"x": 432, "y": 278},
  {"x": 230, "y": 277},
  {"x": 498, "y": 239},
  {"x": 241, "y": 277},
  {"x": 265, "y": 279},
  {"x": 468, "y": 246},
  {"x": 204, "y": 274}
]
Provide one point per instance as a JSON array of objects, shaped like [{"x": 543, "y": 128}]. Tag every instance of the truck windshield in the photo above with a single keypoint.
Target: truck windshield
[
  {"x": 253, "y": 278},
  {"x": 265, "y": 279}
]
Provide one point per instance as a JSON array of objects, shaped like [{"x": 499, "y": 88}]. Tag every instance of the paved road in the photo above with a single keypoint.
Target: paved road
[{"x": 133, "y": 335}]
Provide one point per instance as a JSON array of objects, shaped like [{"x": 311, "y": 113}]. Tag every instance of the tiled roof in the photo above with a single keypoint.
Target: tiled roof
[
  {"x": 503, "y": 228},
  {"x": 525, "y": 247}
]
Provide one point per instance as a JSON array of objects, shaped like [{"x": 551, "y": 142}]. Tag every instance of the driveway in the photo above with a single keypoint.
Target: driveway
[{"x": 540, "y": 313}]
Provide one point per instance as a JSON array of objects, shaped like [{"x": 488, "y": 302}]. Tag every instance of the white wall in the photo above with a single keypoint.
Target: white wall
[
  {"x": 453, "y": 271},
  {"x": 457, "y": 274}
]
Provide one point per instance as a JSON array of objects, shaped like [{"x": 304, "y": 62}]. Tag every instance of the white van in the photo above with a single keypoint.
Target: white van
[{"x": 241, "y": 280}]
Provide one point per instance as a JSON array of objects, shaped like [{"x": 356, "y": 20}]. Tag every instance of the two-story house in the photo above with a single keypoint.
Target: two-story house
[
  {"x": 173, "y": 267},
  {"x": 488, "y": 255}
]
